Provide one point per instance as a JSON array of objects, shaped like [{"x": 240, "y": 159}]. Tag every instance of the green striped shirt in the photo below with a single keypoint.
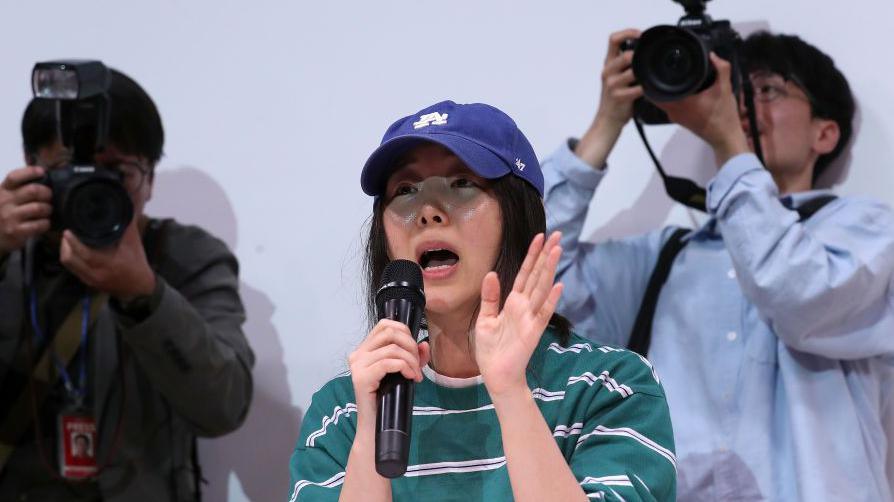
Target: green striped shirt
[{"x": 604, "y": 406}]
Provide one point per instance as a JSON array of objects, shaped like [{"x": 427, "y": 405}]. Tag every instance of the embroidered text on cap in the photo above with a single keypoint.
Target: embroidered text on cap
[{"x": 430, "y": 119}]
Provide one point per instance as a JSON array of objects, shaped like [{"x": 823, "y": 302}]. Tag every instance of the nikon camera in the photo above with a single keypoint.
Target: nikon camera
[
  {"x": 672, "y": 62},
  {"x": 90, "y": 201}
]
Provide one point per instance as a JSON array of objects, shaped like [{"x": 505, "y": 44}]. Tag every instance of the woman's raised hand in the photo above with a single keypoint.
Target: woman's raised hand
[{"x": 505, "y": 339}]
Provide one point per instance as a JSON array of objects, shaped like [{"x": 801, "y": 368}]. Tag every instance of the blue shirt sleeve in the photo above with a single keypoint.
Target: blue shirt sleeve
[
  {"x": 823, "y": 285},
  {"x": 604, "y": 283}
]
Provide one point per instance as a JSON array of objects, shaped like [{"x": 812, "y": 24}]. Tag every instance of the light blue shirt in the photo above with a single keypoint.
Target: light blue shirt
[{"x": 774, "y": 338}]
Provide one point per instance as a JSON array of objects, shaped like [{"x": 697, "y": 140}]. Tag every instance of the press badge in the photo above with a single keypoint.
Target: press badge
[{"x": 77, "y": 445}]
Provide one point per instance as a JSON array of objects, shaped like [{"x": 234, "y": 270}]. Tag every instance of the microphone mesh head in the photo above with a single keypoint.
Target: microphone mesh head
[
  {"x": 402, "y": 271},
  {"x": 408, "y": 278}
]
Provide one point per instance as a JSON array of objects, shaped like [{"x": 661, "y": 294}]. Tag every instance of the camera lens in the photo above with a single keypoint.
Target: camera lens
[
  {"x": 98, "y": 211},
  {"x": 670, "y": 63}
]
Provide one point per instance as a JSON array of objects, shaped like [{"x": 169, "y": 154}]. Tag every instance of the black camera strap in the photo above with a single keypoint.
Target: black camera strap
[
  {"x": 641, "y": 334},
  {"x": 682, "y": 190},
  {"x": 748, "y": 96}
]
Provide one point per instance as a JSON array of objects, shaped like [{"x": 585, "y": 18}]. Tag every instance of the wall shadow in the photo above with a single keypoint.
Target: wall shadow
[{"x": 257, "y": 454}]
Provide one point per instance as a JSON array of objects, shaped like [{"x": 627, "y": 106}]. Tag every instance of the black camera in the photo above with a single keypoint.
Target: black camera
[
  {"x": 90, "y": 201},
  {"x": 672, "y": 62}
]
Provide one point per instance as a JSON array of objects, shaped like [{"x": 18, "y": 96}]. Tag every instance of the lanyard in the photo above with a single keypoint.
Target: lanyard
[{"x": 77, "y": 393}]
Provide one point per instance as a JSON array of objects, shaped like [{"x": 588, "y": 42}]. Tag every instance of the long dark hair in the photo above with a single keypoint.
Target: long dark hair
[{"x": 523, "y": 218}]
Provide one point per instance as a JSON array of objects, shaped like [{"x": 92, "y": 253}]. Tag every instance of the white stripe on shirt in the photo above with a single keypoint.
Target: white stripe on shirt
[
  {"x": 336, "y": 413},
  {"x": 548, "y": 395},
  {"x": 329, "y": 483},
  {"x": 482, "y": 464},
  {"x": 434, "y": 410},
  {"x": 539, "y": 394},
  {"x": 617, "y": 480},
  {"x": 576, "y": 348},
  {"x": 601, "y": 430},
  {"x": 562, "y": 431},
  {"x": 607, "y": 381}
]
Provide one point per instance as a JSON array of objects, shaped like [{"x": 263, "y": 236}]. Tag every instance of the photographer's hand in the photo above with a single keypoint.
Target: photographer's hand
[
  {"x": 121, "y": 270},
  {"x": 615, "y": 102},
  {"x": 24, "y": 208},
  {"x": 713, "y": 115}
]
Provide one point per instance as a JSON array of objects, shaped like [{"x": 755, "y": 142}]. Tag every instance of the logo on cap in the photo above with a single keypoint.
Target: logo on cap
[
  {"x": 430, "y": 119},
  {"x": 519, "y": 164}
]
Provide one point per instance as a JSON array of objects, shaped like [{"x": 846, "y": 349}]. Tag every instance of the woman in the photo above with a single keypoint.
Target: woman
[{"x": 509, "y": 403}]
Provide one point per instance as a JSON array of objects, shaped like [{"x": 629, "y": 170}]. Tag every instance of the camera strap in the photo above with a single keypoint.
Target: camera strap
[
  {"x": 61, "y": 350},
  {"x": 682, "y": 190},
  {"x": 641, "y": 334}
]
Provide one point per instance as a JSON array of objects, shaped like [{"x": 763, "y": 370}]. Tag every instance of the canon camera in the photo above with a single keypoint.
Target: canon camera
[{"x": 88, "y": 200}]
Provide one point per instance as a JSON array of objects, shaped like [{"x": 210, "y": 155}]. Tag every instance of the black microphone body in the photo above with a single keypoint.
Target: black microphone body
[{"x": 400, "y": 298}]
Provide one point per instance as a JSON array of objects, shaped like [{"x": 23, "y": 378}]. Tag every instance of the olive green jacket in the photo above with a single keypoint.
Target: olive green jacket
[{"x": 186, "y": 371}]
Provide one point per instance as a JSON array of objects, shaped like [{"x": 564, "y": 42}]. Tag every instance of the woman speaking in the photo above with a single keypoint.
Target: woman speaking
[{"x": 509, "y": 403}]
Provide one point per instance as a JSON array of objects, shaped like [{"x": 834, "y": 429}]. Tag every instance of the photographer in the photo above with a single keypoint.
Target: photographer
[
  {"x": 153, "y": 320},
  {"x": 773, "y": 331}
]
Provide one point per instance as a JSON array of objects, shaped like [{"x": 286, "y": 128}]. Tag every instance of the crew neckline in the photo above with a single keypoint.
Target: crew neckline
[{"x": 451, "y": 382}]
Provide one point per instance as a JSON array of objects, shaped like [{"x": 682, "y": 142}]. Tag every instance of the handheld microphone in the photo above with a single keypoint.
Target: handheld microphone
[{"x": 400, "y": 298}]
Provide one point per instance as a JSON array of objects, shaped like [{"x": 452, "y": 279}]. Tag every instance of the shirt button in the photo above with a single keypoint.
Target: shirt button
[
  {"x": 731, "y": 336},
  {"x": 731, "y": 274}
]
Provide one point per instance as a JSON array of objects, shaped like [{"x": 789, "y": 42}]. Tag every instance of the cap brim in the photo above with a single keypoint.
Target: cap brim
[{"x": 381, "y": 162}]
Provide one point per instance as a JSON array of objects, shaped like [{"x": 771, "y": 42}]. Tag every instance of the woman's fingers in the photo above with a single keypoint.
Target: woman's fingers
[
  {"x": 382, "y": 367},
  {"x": 528, "y": 264},
  {"x": 388, "y": 348},
  {"x": 541, "y": 262},
  {"x": 490, "y": 296},
  {"x": 396, "y": 352},
  {"x": 549, "y": 306},
  {"x": 546, "y": 279},
  {"x": 387, "y": 332}
]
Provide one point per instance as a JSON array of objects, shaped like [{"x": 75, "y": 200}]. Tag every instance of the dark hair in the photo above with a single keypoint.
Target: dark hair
[
  {"x": 793, "y": 58},
  {"x": 134, "y": 123},
  {"x": 523, "y": 218}
]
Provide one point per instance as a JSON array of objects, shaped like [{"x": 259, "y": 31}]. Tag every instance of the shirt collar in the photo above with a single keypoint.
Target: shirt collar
[{"x": 792, "y": 201}]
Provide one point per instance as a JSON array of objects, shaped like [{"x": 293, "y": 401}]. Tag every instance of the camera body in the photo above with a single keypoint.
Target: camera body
[
  {"x": 672, "y": 62},
  {"x": 90, "y": 201}
]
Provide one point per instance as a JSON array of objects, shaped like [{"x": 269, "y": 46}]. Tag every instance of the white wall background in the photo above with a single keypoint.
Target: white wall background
[{"x": 271, "y": 108}]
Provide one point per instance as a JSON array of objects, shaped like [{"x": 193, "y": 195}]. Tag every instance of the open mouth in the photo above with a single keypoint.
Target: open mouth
[{"x": 438, "y": 258}]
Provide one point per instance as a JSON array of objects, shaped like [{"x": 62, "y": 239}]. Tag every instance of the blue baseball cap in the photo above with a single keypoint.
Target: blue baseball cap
[{"x": 483, "y": 137}]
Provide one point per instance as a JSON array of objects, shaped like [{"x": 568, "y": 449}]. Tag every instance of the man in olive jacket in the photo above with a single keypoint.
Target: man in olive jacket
[{"x": 161, "y": 357}]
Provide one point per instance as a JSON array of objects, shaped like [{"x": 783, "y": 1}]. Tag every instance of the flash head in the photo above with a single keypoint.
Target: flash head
[
  {"x": 693, "y": 7},
  {"x": 69, "y": 80}
]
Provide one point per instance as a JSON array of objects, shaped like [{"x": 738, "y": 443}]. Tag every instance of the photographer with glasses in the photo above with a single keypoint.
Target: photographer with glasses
[
  {"x": 134, "y": 346},
  {"x": 774, "y": 328}
]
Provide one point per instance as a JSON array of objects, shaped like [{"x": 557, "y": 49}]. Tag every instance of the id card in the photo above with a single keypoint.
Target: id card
[{"x": 77, "y": 445}]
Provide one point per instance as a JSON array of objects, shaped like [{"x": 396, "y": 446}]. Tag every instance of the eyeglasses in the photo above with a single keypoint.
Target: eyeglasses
[
  {"x": 133, "y": 174},
  {"x": 771, "y": 86}
]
